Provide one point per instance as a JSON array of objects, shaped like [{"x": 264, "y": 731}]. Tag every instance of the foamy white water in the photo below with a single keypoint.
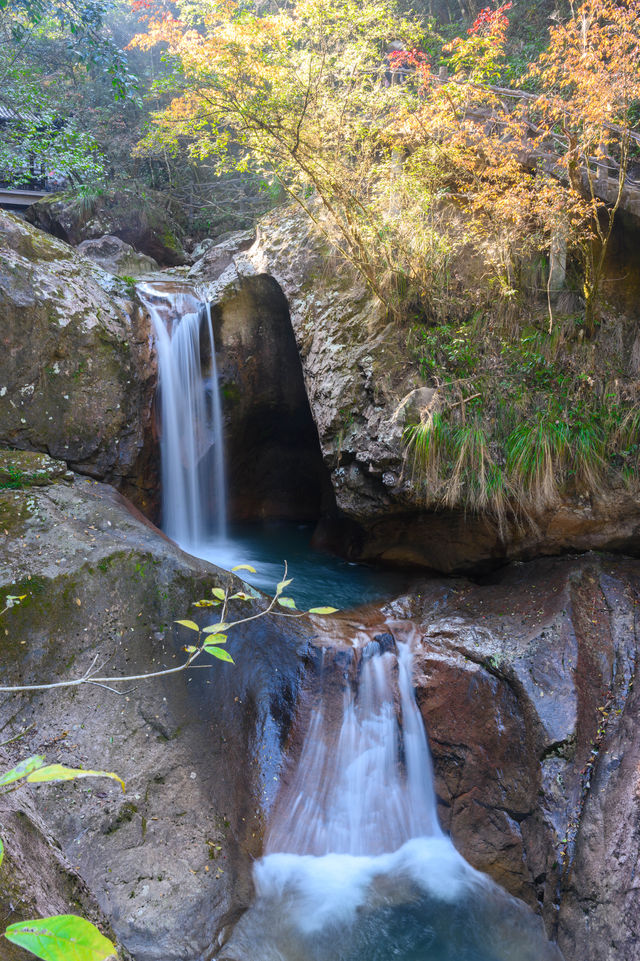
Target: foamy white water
[
  {"x": 357, "y": 867},
  {"x": 191, "y": 443},
  {"x": 363, "y": 786}
]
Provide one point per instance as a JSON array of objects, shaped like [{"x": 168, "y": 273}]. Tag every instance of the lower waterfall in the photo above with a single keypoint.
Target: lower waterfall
[{"x": 356, "y": 866}]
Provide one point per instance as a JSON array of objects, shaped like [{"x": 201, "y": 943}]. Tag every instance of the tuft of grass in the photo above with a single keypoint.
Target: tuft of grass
[
  {"x": 454, "y": 466},
  {"x": 12, "y": 478},
  {"x": 537, "y": 452},
  {"x": 546, "y": 451}
]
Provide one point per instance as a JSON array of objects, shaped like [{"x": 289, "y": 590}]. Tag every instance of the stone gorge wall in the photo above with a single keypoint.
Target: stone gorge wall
[
  {"x": 363, "y": 389},
  {"x": 77, "y": 371},
  {"x": 527, "y": 688}
]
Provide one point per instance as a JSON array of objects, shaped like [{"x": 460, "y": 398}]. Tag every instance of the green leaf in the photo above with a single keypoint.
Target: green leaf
[
  {"x": 287, "y": 602},
  {"x": 219, "y": 593},
  {"x": 190, "y": 624},
  {"x": 64, "y": 937},
  {"x": 22, "y": 769},
  {"x": 206, "y": 603},
  {"x": 190, "y": 649},
  {"x": 58, "y": 772},
  {"x": 240, "y": 596},
  {"x": 218, "y": 652},
  {"x": 245, "y": 567},
  {"x": 322, "y": 610},
  {"x": 281, "y": 585},
  {"x": 217, "y": 639},
  {"x": 214, "y": 628}
]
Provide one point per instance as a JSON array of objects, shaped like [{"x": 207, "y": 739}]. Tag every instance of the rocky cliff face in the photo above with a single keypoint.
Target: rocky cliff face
[
  {"x": 77, "y": 373},
  {"x": 168, "y": 862},
  {"x": 527, "y": 689},
  {"x": 526, "y": 683},
  {"x": 364, "y": 389}
]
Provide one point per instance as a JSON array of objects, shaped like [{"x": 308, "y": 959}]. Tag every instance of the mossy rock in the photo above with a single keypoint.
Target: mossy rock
[
  {"x": 25, "y": 468},
  {"x": 141, "y": 217}
]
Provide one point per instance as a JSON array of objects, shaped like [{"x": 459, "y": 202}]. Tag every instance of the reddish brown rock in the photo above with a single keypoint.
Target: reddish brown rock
[{"x": 526, "y": 685}]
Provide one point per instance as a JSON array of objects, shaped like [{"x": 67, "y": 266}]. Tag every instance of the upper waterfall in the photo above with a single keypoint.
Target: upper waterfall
[{"x": 191, "y": 434}]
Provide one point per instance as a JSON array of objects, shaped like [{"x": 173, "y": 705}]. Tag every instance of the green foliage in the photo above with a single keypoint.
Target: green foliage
[
  {"x": 82, "y": 23},
  {"x": 212, "y": 638},
  {"x": 520, "y": 416},
  {"x": 64, "y": 937},
  {"x": 34, "y": 771},
  {"x": 12, "y": 478}
]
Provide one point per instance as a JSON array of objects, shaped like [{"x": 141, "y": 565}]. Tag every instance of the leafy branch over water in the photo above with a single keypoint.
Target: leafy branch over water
[{"x": 209, "y": 641}]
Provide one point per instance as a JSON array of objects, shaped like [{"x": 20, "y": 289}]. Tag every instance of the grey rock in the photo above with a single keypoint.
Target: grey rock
[{"x": 117, "y": 257}]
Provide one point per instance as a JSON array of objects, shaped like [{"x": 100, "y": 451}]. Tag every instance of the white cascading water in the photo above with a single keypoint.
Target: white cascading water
[
  {"x": 191, "y": 444},
  {"x": 357, "y": 867},
  {"x": 365, "y": 786}
]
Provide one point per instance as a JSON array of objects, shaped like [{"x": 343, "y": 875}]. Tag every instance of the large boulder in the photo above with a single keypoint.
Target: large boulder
[
  {"x": 526, "y": 686},
  {"x": 273, "y": 458},
  {"x": 117, "y": 257},
  {"x": 169, "y": 861},
  {"x": 139, "y": 216},
  {"x": 78, "y": 374}
]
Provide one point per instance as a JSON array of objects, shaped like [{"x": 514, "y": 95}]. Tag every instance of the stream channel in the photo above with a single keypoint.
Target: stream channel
[{"x": 355, "y": 865}]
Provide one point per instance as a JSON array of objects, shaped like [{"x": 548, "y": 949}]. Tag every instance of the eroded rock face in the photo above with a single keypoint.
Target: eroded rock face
[
  {"x": 137, "y": 215},
  {"x": 168, "y": 862},
  {"x": 364, "y": 389},
  {"x": 526, "y": 686},
  {"x": 36, "y": 880},
  {"x": 273, "y": 459},
  {"x": 77, "y": 374}
]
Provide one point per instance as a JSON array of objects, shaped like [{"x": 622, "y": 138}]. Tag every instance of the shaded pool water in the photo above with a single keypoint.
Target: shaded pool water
[{"x": 318, "y": 578}]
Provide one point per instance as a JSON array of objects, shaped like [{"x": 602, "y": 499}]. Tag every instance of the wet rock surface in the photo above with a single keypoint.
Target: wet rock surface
[
  {"x": 169, "y": 861},
  {"x": 527, "y": 688},
  {"x": 77, "y": 374}
]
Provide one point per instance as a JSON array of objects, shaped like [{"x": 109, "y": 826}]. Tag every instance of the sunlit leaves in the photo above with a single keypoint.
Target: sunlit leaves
[
  {"x": 22, "y": 769},
  {"x": 286, "y": 602},
  {"x": 322, "y": 610},
  {"x": 190, "y": 624},
  {"x": 58, "y": 772},
  {"x": 64, "y": 937},
  {"x": 218, "y": 652},
  {"x": 34, "y": 770}
]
